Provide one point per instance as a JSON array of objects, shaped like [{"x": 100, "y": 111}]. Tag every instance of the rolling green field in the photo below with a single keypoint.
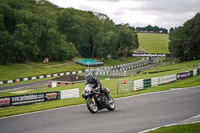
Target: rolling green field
[{"x": 153, "y": 42}]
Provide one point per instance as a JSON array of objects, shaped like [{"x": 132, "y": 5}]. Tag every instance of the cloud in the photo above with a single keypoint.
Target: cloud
[{"x": 138, "y": 13}]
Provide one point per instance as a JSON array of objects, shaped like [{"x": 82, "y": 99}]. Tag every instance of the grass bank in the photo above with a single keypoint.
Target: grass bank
[
  {"x": 153, "y": 42},
  {"x": 30, "y": 69}
]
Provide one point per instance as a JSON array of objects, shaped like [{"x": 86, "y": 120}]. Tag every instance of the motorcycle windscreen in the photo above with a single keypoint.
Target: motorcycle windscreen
[{"x": 89, "y": 87}]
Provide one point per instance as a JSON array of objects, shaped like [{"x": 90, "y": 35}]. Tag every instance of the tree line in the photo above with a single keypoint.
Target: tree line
[
  {"x": 185, "y": 40},
  {"x": 154, "y": 29},
  {"x": 37, "y": 29}
]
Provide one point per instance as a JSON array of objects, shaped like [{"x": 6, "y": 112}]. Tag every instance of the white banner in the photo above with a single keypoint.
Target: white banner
[
  {"x": 167, "y": 79},
  {"x": 69, "y": 93}
]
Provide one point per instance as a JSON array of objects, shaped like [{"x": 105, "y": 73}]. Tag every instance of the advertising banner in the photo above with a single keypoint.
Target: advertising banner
[
  {"x": 182, "y": 75},
  {"x": 145, "y": 55},
  {"x": 4, "y": 101},
  {"x": 28, "y": 99},
  {"x": 167, "y": 79}
]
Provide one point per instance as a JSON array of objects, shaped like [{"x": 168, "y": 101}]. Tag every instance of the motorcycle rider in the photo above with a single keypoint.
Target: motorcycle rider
[{"x": 97, "y": 84}]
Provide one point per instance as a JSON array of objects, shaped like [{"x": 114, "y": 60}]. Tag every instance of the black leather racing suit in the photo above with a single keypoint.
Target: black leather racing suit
[{"x": 97, "y": 85}]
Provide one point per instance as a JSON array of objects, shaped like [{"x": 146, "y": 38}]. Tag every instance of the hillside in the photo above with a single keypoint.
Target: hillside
[{"x": 153, "y": 42}]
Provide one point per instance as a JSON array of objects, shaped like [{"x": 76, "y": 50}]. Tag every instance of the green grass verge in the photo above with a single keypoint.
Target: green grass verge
[
  {"x": 14, "y": 71},
  {"x": 153, "y": 42},
  {"x": 186, "y": 128}
]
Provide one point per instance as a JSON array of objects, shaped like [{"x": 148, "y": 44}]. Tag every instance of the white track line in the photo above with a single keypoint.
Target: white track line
[{"x": 178, "y": 123}]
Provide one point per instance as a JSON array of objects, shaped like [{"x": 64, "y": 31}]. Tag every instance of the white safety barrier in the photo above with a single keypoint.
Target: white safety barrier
[
  {"x": 145, "y": 83},
  {"x": 195, "y": 72},
  {"x": 167, "y": 79},
  {"x": 69, "y": 93},
  {"x": 154, "y": 81},
  {"x": 138, "y": 84}
]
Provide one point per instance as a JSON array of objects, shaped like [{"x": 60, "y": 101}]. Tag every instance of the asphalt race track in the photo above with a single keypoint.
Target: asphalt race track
[{"x": 132, "y": 115}]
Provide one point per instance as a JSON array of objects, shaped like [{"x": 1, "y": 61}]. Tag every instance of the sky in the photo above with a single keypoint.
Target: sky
[{"x": 139, "y": 13}]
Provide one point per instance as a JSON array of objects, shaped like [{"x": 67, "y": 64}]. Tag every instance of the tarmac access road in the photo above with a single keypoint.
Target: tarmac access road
[
  {"x": 23, "y": 85},
  {"x": 134, "y": 71},
  {"x": 132, "y": 115}
]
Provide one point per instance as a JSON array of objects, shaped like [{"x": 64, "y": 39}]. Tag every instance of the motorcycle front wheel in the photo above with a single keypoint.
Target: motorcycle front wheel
[
  {"x": 91, "y": 105},
  {"x": 111, "y": 104}
]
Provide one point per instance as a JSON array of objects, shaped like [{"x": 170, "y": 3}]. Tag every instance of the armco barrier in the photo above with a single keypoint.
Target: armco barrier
[{"x": 37, "y": 97}]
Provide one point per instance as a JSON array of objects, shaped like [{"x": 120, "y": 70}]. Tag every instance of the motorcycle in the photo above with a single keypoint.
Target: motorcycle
[{"x": 96, "y": 100}]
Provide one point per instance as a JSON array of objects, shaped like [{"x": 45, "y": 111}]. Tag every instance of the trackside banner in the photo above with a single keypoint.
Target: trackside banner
[
  {"x": 28, "y": 99},
  {"x": 167, "y": 79},
  {"x": 183, "y": 75},
  {"x": 38, "y": 97},
  {"x": 145, "y": 54}
]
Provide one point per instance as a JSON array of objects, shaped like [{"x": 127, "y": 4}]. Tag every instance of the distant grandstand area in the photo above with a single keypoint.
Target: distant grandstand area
[{"x": 89, "y": 63}]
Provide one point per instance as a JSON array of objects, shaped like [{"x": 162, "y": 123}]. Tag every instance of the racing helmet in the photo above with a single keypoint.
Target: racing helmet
[{"x": 88, "y": 76}]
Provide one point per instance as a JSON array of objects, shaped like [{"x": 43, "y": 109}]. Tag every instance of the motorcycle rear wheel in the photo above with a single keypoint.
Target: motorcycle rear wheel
[{"x": 92, "y": 106}]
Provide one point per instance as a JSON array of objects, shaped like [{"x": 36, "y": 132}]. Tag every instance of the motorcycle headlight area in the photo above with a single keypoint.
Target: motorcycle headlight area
[{"x": 86, "y": 93}]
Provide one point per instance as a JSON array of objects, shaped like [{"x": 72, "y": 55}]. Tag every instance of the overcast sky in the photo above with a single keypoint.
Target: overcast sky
[{"x": 139, "y": 13}]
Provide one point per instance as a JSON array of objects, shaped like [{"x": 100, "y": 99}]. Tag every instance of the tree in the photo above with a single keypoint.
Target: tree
[
  {"x": 23, "y": 45},
  {"x": 128, "y": 40},
  {"x": 5, "y": 47},
  {"x": 39, "y": 29},
  {"x": 184, "y": 41},
  {"x": 108, "y": 45}
]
